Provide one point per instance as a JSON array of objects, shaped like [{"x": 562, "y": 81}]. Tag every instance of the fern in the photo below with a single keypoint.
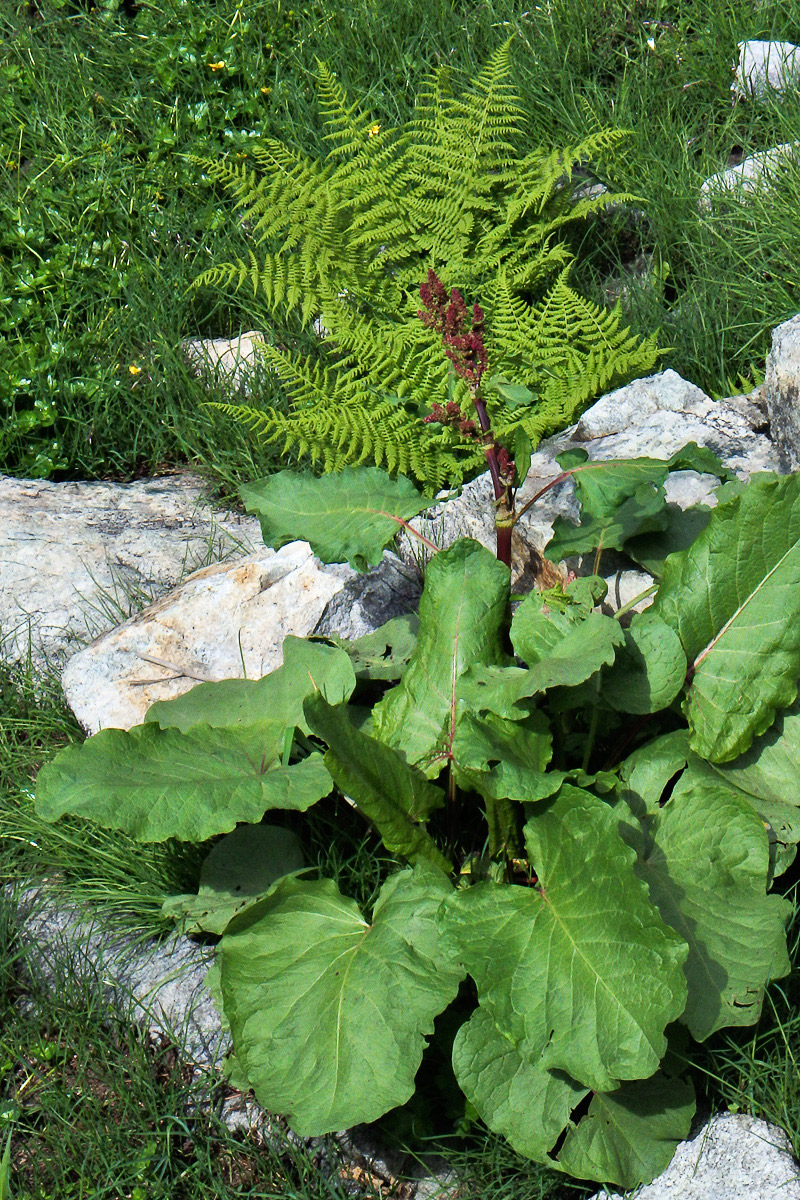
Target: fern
[{"x": 347, "y": 240}]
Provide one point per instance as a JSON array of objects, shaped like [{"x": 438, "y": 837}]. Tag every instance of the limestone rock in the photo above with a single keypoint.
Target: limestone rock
[
  {"x": 227, "y": 621},
  {"x": 762, "y": 170},
  {"x": 161, "y": 983},
  {"x": 77, "y": 557},
  {"x": 782, "y": 390},
  {"x": 765, "y": 66},
  {"x": 732, "y": 1157},
  {"x": 231, "y": 362},
  {"x": 650, "y": 417}
]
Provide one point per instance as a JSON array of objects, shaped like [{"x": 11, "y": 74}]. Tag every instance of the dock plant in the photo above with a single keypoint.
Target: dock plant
[{"x": 585, "y": 810}]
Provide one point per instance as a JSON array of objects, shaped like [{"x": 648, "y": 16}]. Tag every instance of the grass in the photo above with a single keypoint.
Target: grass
[{"x": 106, "y": 221}]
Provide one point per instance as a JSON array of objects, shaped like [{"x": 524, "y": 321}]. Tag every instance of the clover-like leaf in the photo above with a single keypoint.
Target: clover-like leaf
[
  {"x": 580, "y": 970},
  {"x": 461, "y": 614},
  {"x": 346, "y": 516},
  {"x": 155, "y": 783},
  {"x": 330, "y": 1013},
  {"x": 733, "y": 598}
]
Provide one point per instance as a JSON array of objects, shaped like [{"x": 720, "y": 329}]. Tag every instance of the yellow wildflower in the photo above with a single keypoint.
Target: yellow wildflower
[
  {"x": 134, "y": 370},
  {"x": 265, "y": 91},
  {"x": 373, "y": 129},
  {"x": 217, "y": 66}
]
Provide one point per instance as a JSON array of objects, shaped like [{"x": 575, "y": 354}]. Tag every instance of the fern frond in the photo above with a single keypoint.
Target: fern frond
[{"x": 349, "y": 239}]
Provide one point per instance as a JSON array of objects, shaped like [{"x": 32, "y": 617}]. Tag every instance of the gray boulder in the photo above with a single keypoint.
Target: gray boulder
[
  {"x": 765, "y": 169},
  {"x": 731, "y": 1157},
  {"x": 234, "y": 363},
  {"x": 782, "y": 390},
  {"x": 765, "y": 66},
  {"x": 78, "y": 557}
]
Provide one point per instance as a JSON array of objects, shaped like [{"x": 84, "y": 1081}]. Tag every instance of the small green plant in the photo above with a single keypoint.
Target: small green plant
[
  {"x": 585, "y": 814},
  {"x": 344, "y": 241}
]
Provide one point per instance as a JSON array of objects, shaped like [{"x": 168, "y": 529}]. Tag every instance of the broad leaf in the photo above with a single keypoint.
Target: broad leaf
[
  {"x": 683, "y": 527},
  {"x": 767, "y": 777},
  {"x": 329, "y": 1014},
  {"x": 705, "y": 858},
  {"x": 461, "y": 614},
  {"x": 155, "y": 783},
  {"x": 392, "y": 794},
  {"x": 602, "y": 485},
  {"x": 523, "y": 1102},
  {"x": 734, "y": 600},
  {"x": 651, "y": 669},
  {"x": 234, "y": 703},
  {"x": 240, "y": 869},
  {"x": 692, "y": 457},
  {"x": 629, "y": 1135},
  {"x": 648, "y": 770},
  {"x": 563, "y": 643},
  {"x": 347, "y": 516},
  {"x": 506, "y": 691},
  {"x": 505, "y": 759},
  {"x": 642, "y": 512},
  {"x": 580, "y": 971},
  {"x": 383, "y": 654}
]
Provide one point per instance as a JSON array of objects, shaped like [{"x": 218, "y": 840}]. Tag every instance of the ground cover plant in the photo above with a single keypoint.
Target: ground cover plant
[{"x": 578, "y": 899}]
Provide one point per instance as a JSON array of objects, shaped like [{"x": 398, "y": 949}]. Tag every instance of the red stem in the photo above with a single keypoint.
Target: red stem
[{"x": 504, "y": 519}]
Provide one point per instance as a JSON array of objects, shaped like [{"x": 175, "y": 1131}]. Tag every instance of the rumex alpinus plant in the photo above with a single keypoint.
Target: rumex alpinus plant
[{"x": 586, "y": 814}]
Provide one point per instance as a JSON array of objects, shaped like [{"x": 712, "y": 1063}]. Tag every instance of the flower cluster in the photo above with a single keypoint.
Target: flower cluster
[
  {"x": 461, "y": 334},
  {"x": 451, "y": 414}
]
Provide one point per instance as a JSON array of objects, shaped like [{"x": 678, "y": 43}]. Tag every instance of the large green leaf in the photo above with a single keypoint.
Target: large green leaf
[
  {"x": 518, "y": 1099},
  {"x": 566, "y": 649},
  {"x": 155, "y": 783},
  {"x": 580, "y": 971},
  {"x": 307, "y": 666},
  {"x": 505, "y": 759},
  {"x": 648, "y": 770},
  {"x": 240, "y": 869},
  {"x": 629, "y": 1135},
  {"x": 626, "y": 1137},
  {"x": 650, "y": 671},
  {"x": 622, "y": 499},
  {"x": 705, "y": 858},
  {"x": 767, "y": 776},
  {"x": 683, "y": 527},
  {"x": 347, "y": 516},
  {"x": 734, "y": 600},
  {"x": 383, "y": 654},
  {"x": 461, "y": 614},
  {"x": 329, "y": 1014},
  {"x": 392, "y": 794}
]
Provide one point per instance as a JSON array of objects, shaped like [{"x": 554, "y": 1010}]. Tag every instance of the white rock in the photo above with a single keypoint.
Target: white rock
[
  {"x": 763, "y": 170},
  {"x": 733, "y": 1157},
  {"x": 765, "y": 65},
  {"x": 226, "y": 621},
  {"x": 76, "y": 557},
  {"x": 782, "y": 390},
  {"x": 231, "y": 362}
]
